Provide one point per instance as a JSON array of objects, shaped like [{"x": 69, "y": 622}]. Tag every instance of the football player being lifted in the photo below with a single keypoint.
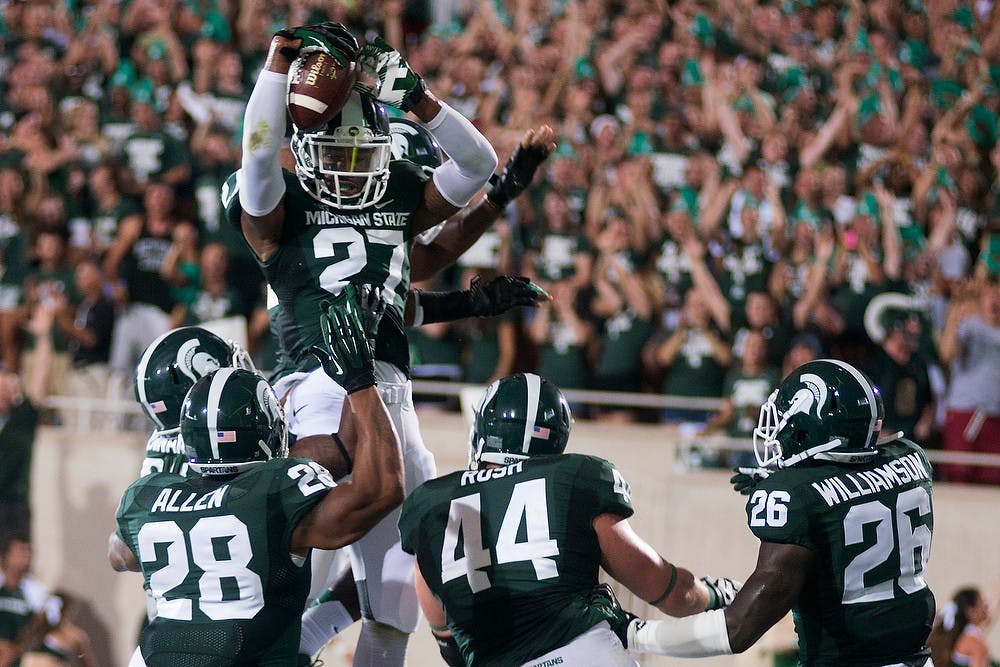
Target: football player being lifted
[
  {"x": 242, "y": 605},
  {"x": 348, "y": 215},
  {"x": 527, "y": 596},
  {"x": 844, "y": 523}
]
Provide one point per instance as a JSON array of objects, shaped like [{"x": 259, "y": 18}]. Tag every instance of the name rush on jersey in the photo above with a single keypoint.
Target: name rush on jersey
[
  {"x": 473, "y": 476},
  {"x": 850, "y": 485}
]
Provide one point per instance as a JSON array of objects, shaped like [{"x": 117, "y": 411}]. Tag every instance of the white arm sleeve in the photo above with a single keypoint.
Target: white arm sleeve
[
  {"x": 259, "y": 179},
  {"x": 473, "y": 159},
  {"x": 697, "y": 636}
]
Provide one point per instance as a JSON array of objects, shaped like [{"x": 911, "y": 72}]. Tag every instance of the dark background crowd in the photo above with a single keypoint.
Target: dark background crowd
[{"x": 738, "y": 186}]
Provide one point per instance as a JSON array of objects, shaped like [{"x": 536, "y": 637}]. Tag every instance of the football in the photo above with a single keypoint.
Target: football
[{"x": 318, "y": 87}]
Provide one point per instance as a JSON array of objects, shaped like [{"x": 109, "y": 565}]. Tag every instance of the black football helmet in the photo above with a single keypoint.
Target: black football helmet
[
  {"x": 171, "y": 365},
  {"x": 520, "y": 416},
  {"x": 345, "y": 163},
  {"x": 411, "y": 141},
  {"x": 825, "y": 409},
  {"x": 231, "y": 420}
]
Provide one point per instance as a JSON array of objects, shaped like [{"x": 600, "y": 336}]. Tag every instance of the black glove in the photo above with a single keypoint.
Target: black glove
[
  {"x": 449, "y": 650},
  {"x": 346, "y": 355},
  {"x": 723, "y": 591},
  {"x": 746, "y": 479},
  {"x": 503, "y": 293},
  {"x": 329, "y": 36},
  {"x": 604, "y": 597},
  {"x": 516, "y": 175}
]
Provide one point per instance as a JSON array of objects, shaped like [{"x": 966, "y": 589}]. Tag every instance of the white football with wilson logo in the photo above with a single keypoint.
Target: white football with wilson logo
[{"x": 318, "y": 87}]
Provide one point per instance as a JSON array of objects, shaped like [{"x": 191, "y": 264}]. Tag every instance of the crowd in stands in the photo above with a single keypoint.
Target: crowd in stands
[{"x": 738, "y": 186}]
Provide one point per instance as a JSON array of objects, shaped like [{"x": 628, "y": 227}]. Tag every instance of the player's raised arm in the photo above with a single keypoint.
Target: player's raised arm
[
  {"x": 376, "y": 488},
  {"x": 459, "y": 233},
  {"x": 261, "y": 186},
  {"x": 473, "y": 159}
]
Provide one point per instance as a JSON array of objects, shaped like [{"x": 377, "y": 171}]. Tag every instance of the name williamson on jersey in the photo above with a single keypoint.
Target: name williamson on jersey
[{"x": 850, "y": 485}]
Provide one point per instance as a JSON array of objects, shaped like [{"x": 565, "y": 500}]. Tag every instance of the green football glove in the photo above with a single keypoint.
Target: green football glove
[
  {"x": 346, "y": 355},
  {"x": 603, "y": 597},
  {"x": 517, "y": 174},
  {"x": 395, "y": 83},
  {"x": 722, "y": 590},
  {"x": 746, "y": 479},
  {"x": 329, "y": 37}
]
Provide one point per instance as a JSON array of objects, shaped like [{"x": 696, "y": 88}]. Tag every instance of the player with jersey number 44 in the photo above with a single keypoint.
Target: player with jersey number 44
[
  {"x": 844, "y": 521},
  {"x": 225, "y": 554},
  {"x": 508, "y": 552}
]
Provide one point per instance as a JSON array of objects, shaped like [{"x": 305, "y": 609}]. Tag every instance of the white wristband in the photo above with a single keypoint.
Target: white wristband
[{"x": 697, "y": 636}]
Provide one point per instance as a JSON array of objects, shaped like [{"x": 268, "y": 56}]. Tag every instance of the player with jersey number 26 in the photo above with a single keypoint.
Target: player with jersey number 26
[
  {"x": 512, "y": 547},
  {"x": 845, "y": 524},
  {"x": 225, "y": 554}
]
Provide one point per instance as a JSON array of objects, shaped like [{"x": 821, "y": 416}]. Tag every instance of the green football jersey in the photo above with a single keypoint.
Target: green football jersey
[
  {"x": 324, "y": 249},
  {"x": 215, "y": 557},
  {"x": 869, "y": 526},
  {"x": 511, "y": 552},
  {"x": 165, "y": 453}
]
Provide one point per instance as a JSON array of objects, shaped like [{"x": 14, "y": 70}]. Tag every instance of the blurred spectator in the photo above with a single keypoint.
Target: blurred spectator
[
  {"x": 745, "y": 389},
  {"x": 958, "y": 634},
  {"x": 898, "y": 369},
  {"x": 804, "y": 347},
  {"x": 109, "y": 207},
  {"x": 970, "y": 344},
  {"x": 88, "y": 328},
  {"x": 561, "y": 333},
  {"x": 624, "y": 308},
  {"x": 19, "y": 410},
  {"x": 214, "y": 298},
  {"x": 150, "y": 153},
  {"x": 133, "y": 265},
  {"x": 22, "y": 599},
  {"x": 49, "y": 288},
  {"x": 694, "y": 355},
  {"x": 64, "y": 643},
  {"x": 761, "y": 314}
]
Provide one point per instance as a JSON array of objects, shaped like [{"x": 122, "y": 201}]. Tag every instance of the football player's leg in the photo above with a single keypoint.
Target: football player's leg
[
  {"x": 333, "y": 611},
  {"x": 313, "y": 405},
  {"x": 597, "y": 646},
  {"x": 383, "y": 571}
]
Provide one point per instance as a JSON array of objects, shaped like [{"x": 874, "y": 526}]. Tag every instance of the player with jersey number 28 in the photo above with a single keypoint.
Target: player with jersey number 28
[
  {"x": 845, "y": 524},
  {"x": 349, "y": 214},
  {"x": 242, "y": 605},
  {"x": 527, "y": 596}
]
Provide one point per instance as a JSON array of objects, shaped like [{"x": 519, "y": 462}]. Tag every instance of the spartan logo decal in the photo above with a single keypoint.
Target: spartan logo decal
[
  {"x": 401, "y": 143},
  {"x": 812, "y": 394},
  {"x": 194, "y": 363},
  {"x": 275, "y": 415}
]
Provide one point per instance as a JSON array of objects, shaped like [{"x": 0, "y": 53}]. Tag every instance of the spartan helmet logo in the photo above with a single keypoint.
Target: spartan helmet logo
[
  {"x": 401, "y": 143},
  {"x": 814, "y": 393},
  {"x": 193, "y": 363}
]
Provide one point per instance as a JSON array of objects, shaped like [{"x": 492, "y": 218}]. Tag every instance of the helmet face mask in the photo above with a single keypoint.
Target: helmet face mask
[
  {"x": 519, "y": 416},
  {"x": 171, "y": 365},
  {"x": 232, "y": 420},
  {"x": 825, "y": 409},
  {"x": 346, "y": 163}
]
